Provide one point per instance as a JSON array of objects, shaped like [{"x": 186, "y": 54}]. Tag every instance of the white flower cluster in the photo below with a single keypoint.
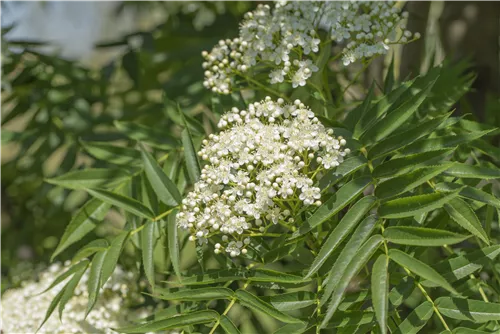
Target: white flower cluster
[
  {"x": 287, "y": 37},
  {"x": 23, "y": 311},
  {"x": 261, "y": 170}
]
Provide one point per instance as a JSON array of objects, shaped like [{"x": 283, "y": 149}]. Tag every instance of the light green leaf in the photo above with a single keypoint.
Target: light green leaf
[
  {"x": 419, "y": 268},
  {"x": 51, "y": 308},
  {"x": 462, "y": 266},
  {"x": 344, "y": 227},
  {"x": 470, "y": 193},
  {"x": 345, "y": 195},
  {"x": 345, "y": 320},
  {"x": 408, "y": 163},
  {"x": 439, "y": 143},
  {"x": 112, "y": 255},
  {"x": 468, "y": 309},
  {"x": 380, "y": 291},
  {"x": 94, "y": 281},
  {"x": 91, "y": 178},
  {"x": 173, "y": 243},
  {"x": 293, "y": 300},
  {"x": 196, "y": 294},
  {"x": 416, "y": 319},
  {"x": 227, "y": 325},
  {"x": 360, "y": 235},
  {"x": 82, "y": 223},
  {"x": 179, "y": 321},
  {"x": 421, "y": 236},
  {"x": 464, "y": 216},
  {"x": 362, "y": 256},
  {"x": 414, "y": 205},
  {"x": 297, "y": 328},
  {"x": 355, "y": 115},
  {"x": 463, "y": 330},
  {"x": 165, "y": 189},
  {"x": 474, "y": 172},
  {"x": 126, "y": 203},
  {"x": 192, "y": 163},
  {"x": 90, "y": 248},
  {"x": 69, "y": 289},
  {"x": 118, "y": 155},
  {"x": 148, "y": 242},
  {"x": 155, "y": 137},
  {"x": 253, "y": 302},
  {"x": 400, "y": 140},
  {"x": 396, "y": 118},
  {"x": 408, "y": 181}
]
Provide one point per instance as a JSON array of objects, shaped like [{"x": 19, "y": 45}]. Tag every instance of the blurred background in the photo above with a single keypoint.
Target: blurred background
[{"x": 71, "y": 69}]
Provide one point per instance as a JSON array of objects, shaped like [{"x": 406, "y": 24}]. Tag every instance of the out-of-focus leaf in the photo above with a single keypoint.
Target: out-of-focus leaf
[
  {"x": 152, "y": 136},
  {"x": 91, "y": 178},
  {"x": 228, "y": 325},
  {"x": 118, "y": 155}
]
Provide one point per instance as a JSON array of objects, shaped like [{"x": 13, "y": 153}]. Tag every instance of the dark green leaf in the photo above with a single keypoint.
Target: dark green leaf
[
  {"x": 416, "y": 319},
  {"x": 192, "y": 163},
  {"x": 253, "y": 302},
  {"x": 346, "y": 168},
  {"x": 360, "y": 235},
  {"x": 183, "y": 320},
  {"x": 421, "y": 236},
  {"x": 69, "y": 289},
  {"x": 464, "y": 216},
  {"x": 345, "y": 320},
  {"x": 228, "y": 325},
  {"x": 475, "y": 172},
  {"x": 345, "y": 195},
  {"x": 75, "y": 268},
  {"x": 94, "y": 281},
  {"x": 468, "y": 309},
  {"x": 83, "y": 222},
  {"x": 165, "y": 189},
  {"x": 408, "y": 181},
  {"x": 196, "y": 294},
  {"x": 173, "y": 243},
  {"x": 344, "y": 227},
  {"x": 148, "y": 242},
  {"x": 419, "y": 268},
  {"x": 470, "y": 193},
  {"x": 414, "y": 205},
  {"x": 380, "y": 291},
  {"x": 112, "y": 255},
  {"x": 126, "y": 203},
  {"x": 362, "y": 256}
]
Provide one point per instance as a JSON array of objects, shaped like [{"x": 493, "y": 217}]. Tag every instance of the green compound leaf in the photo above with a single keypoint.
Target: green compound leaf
[
  {"x": 398, "y": 166},
  {"x": 94, "y": 281},
  {"x": 462, "y": 266},
  {"x": 380, "y": 291},
  {"x": 362, "y": 256},
  {"x": 469, "y": 193},
  {"x": 416, "y": 319},
  {"x": 360, "y": 235},
  {"x": 400, "y": 140},
  {"x": 91, "y": 178},
  {"x": 129, "y": 204},
  {"x": 468, "y": 309},
  {"x": 227, "y": 325},
  {"x": 195, "y": 294},
  {"x": 419, "y": 268},
  {"x": 173, "y": 243},
  {"x": 408, "y": 181},
  {"x": 148, "y": 242},
  {"x": 474, "y": 172},
  {"x": 463, "y": 215},
  {"x": 251, "y": 301},
  {"x": 345, "y": 195},
  {"x": 345, "y": 226},
  {"x": 183, "y": 320},
  {"x": 83, "y": 222},
  {"x": 165, "y": 189},
  {"x": 421, "y": 236},
  {"x": 414, "y": 205}
]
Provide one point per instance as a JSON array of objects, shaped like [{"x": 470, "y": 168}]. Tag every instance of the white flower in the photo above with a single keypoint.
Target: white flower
[
  {"x": 259, "y": 170},
  {"x": 23, "y": 310},
  {"x": 288, "y": 33}
]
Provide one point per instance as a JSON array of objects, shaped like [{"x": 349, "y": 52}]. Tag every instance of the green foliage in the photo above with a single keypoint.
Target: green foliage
[{"x": 404, "y": 241}]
